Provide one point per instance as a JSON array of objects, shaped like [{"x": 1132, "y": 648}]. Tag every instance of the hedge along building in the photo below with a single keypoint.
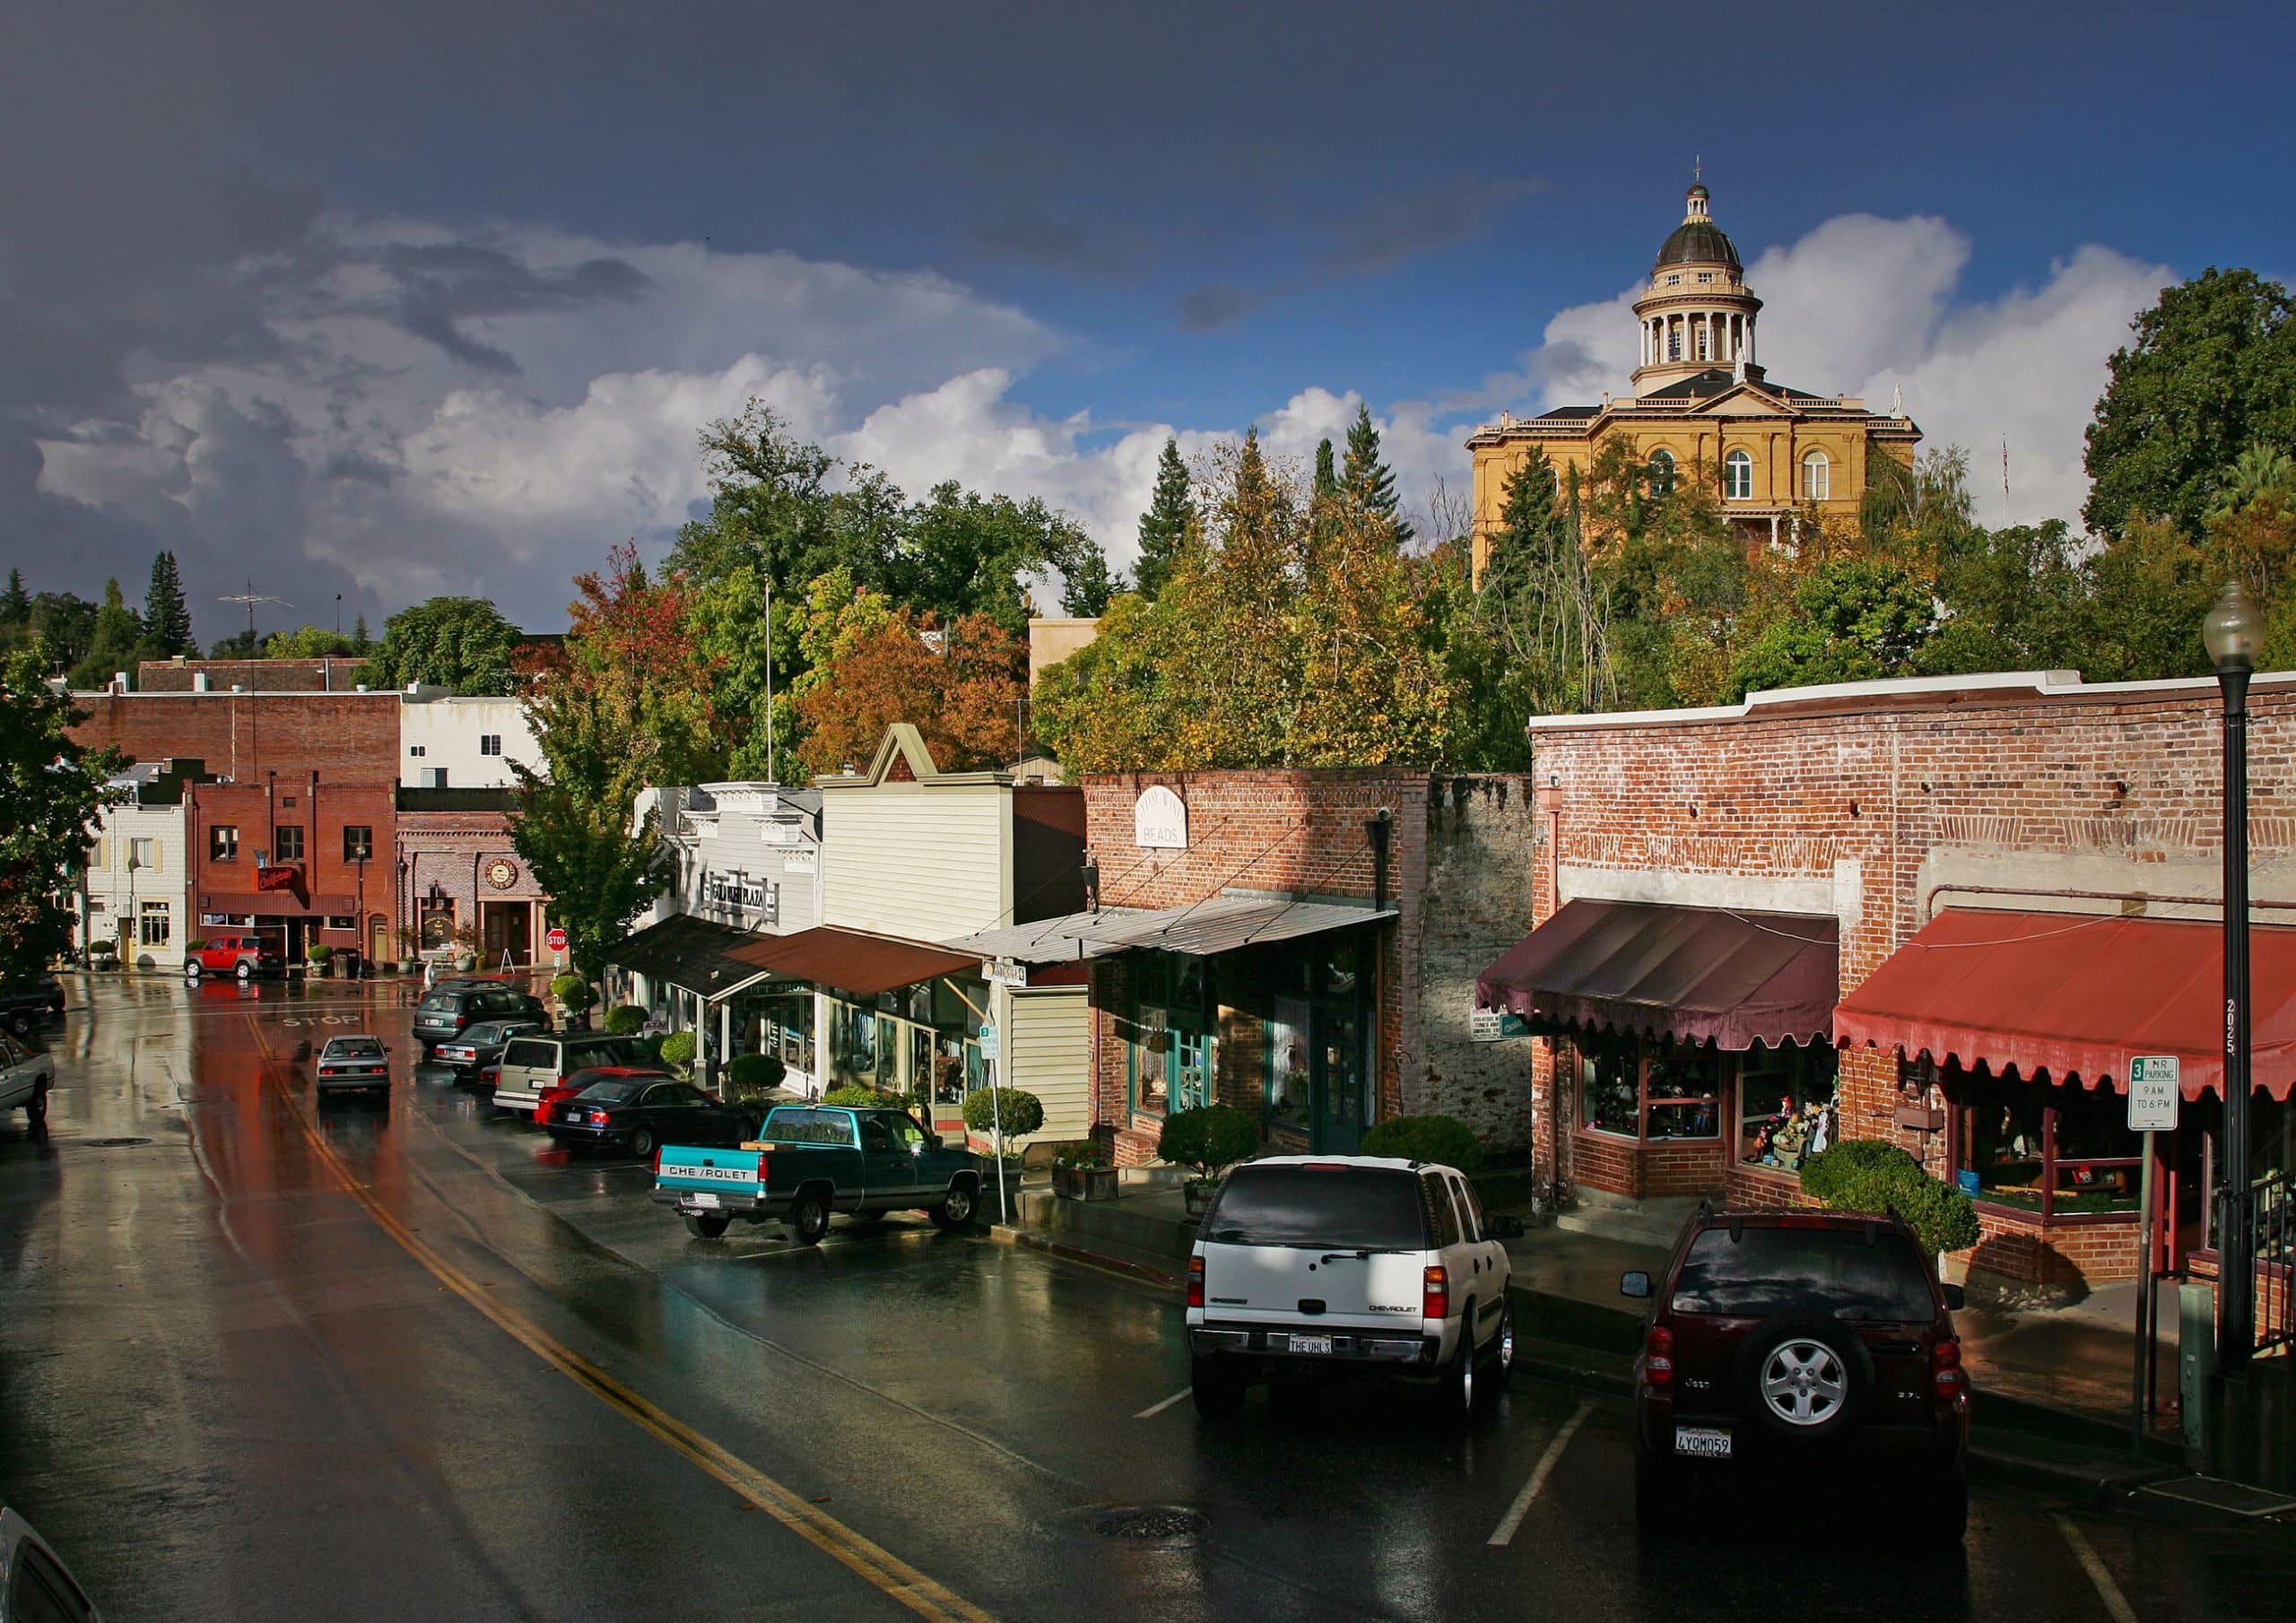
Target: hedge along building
[
  {"x": 911, "y": 857},
  {"x": 744, "y": 861},
  {"x": 1991, "y": 891}
]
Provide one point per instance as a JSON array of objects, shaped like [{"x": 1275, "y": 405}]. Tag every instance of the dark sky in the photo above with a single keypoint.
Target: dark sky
[{"x": 395, "y": 300}]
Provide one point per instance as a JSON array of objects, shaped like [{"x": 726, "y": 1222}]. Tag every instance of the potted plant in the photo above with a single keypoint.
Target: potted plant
[
  {"x": 1008, "y": 1116},
  {"x": 466, "y": 949},
  {"x": 625, "y": 1020},
  {"x": 1210, "y": 1139},
  {"x": 1080, "y": 1171},
  {"x": 575, "y": 996},
  {"x": 319, "y": 956}
]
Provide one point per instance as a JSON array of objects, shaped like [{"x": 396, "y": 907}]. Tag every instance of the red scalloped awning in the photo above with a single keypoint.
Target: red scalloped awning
[
  {"x": 2076, "y": 997},
  {"x": 1695, "y": 973}
]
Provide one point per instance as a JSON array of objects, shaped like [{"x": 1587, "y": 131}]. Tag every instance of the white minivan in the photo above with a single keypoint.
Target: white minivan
[{"x": 1312, "y": 1266}]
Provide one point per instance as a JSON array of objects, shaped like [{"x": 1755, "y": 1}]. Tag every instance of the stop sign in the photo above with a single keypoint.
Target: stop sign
[{"x": 556, "y": 939}]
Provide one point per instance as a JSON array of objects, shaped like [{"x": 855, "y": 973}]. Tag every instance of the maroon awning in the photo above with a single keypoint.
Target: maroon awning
[
  {"x": 1696, "y": 973},
  {"x": 853, "y": 960}
]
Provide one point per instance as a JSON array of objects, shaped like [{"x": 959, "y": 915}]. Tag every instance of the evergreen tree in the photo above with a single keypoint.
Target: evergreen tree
[
  {"x": 1327, "y": 474},
  {"x": 15, "y": 604},
  {"x": 113, "y": 646},
  {"x": 1165, "y": 527},
  {"x": 1530, "y": 520},
  {"x": 1368, "y": 481},
  {"x": 361, "y": 643},
  {"x": 167, "y": 619}
]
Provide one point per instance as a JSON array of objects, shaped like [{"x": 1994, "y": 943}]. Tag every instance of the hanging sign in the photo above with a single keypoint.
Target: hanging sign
[
  {"x": 1495, "y": 1025},
  {"x": 1004, "y": 972},
  {"x": 2153, "y": 1093},
  {"x": 1160, "y": 820}
]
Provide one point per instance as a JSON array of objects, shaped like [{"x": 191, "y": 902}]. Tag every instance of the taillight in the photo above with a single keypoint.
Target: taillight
[
  {"x": 1435, "y": 1294},
  {"x": 1658, "y": 1355},
  {"x": 599, "y": 1119},
  {"x": 657, "y": 1161},
  {"x": 1945, "y": 1359},
  {"x": 1196, "y": 1281}
]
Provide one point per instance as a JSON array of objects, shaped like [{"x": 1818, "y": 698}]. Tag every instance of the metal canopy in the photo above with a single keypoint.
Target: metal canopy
[
  {"x": 693, "y": 954},
  {"x": 1221, "y": 924}
]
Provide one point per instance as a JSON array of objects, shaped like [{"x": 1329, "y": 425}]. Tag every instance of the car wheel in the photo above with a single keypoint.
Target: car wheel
[
  {"x": 703, "y": 1227},
  {"x": 808, "y": 1219},
  {"x": 191, "y": 969},
  {"x": 1658, "y": 1492},
  {"x": 1217, "y": 1390},
  {"x": 1805, "y": 1378},
  {"x": 244, "y": 970},
  {"x": 1943, "y": 1516},
  {"x": 1458, "y": 1385},
  {"x": 955, "y": 1211},
  {"x": 1502, "y": 1351},
  {"x": 20, "y": 1021},
  {"x": 642, "y": 1143}
]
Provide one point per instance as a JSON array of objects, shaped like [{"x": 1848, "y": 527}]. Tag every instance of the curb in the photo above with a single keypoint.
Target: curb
[{"x": 1000, "y": 1234}]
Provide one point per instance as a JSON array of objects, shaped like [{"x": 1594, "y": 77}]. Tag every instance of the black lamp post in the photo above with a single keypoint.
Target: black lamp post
[{"x": 2232, "y": 632}]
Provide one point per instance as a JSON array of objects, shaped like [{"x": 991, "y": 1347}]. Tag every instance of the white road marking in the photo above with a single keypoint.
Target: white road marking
[
  {"x": 1539, "y": 1474},
  {"x": 1156, "y": 1409},
  {"x": 2108, "y": 1592}
]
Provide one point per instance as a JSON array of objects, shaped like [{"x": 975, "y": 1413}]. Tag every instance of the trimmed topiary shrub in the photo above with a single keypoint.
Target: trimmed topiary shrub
[
  {"x": 677, "y": 1049},
  {"x": 625, "y": 1020},
  {"x": 1208, "y": 1138},
  {"x": 1021, "y": 1111},
  {"x": 1862, "y": 1175},
  {"x": 853, "y": 1096},
  {"x": 571, "y": 990},
  {"x": 1427, "y": 1138},
  {"x": 755, "y": 1073}
]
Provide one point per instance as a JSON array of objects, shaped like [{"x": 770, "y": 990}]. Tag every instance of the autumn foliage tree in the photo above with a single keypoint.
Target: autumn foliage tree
[{"x": 961, "y": 685}]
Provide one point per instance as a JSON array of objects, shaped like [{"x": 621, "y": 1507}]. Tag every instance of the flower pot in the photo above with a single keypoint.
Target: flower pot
[
  {"x": 1068, "y": 1182},
  {"x": 1099, "y": 1183},
  {"x": 1199, "y": 1194}
]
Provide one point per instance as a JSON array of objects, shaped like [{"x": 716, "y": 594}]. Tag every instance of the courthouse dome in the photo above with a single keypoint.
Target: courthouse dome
[{"x": 1697, "y": 240}]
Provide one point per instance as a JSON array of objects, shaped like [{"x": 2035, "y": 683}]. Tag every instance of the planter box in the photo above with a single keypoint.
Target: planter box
[
  {"x": 1199, "y": 1194},
  {"x": 1085, "y": 1182}
]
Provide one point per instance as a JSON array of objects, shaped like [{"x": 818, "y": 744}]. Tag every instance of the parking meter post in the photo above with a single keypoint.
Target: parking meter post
[
  {"x": 996, "y": 1127},
  {"x": 2139, "y": 1394}
]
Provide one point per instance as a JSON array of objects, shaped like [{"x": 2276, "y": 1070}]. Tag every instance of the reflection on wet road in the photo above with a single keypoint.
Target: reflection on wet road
[{"x": 265, "y": 1359}]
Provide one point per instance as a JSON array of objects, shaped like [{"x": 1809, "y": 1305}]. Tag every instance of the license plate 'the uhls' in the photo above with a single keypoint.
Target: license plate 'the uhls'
[{"x": 1310, "y": 1343}]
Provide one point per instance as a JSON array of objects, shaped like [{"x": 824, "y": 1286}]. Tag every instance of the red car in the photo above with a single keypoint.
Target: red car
[
  {"x": 558, "y": 1093},
  {"x": 1819, "y": 1346},
  {"x": 244, "y": 956}
]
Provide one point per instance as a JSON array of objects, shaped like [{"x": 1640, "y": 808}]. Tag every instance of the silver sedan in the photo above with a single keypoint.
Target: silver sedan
[{"x": 352, "y": 1064}]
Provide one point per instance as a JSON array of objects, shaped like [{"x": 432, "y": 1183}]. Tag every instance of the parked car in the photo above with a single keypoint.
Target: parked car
[
  {"x": 240, "y": 955},
  {"x": 352, "y": 1064},
  {"x": 1316, "y": 1267},
  {"x": 546, "y": 1059},
  {"x": 27, "y": 1005},
  {"x": 637, "y": 1110},
  {"x": 1811, "y": 1343},
  {"x": 814, "y": 1159},
  {"x": 34, "y": 1586},
  {"x": 477, "y": 1047},
  {"x": 26, "y": 1075},
  {"x": 447, "y": 1012},
  {"x": 589, "y": 1076}
]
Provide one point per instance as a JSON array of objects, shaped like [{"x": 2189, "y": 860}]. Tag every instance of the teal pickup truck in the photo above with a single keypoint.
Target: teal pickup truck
[{"x": 809, "y": 1160}]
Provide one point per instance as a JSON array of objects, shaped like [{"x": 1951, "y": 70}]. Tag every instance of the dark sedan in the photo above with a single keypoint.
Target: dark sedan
[
  {"x": 639, "y": 1113},
  {"x": 25, "y": 1006},
  {"x": 472, "y": 1049}
]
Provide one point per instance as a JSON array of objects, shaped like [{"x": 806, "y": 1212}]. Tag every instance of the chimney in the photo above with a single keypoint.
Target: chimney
[
  {"x": 119, "y": 681},
  {"x": 199, "y": 681}
]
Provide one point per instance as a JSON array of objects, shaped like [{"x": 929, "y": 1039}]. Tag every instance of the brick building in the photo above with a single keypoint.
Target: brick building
[
  {"x": 2009, "y": 885},
  {"x": 459, "y": 881},
  {"x": 181, "y": 675}
]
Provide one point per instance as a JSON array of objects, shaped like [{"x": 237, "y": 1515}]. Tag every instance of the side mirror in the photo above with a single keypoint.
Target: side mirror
[
  {"x": 1504, "y": 1227},
  {"x": 1956, "y": 1298},
  {"x": 1634, "y": 1282}
]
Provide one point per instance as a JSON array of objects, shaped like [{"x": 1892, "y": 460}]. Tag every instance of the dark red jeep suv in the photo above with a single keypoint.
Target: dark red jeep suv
[{"x": 1819, "y": 1343}]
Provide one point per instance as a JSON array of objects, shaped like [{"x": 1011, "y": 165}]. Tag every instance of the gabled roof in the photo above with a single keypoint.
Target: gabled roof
[{"x": 901, "y": 757}]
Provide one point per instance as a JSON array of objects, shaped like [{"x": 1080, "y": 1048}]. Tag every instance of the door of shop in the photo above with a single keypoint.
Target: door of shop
[
  {"x": 508, "y": 928},
  {"x": 1338, "y": 1078}
]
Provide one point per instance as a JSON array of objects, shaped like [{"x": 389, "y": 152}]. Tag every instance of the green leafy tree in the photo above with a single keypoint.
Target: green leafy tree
[
  {"x": 62, "y": 623},
  {"x": 238, "y": 645},
  {"x": 2013, "y": 600},
  {"x": 51, "y": 792},
  {"x": 1367, "y": 482},
  {"x": 598, "y": 874},
  {"x": 460, "y": 644},
  {"x": 1166, "y": 527},
  {"x": 1087, "y": 586},
  {"x": 2147, "y": 594},
  {"x": 1857, "y": 619},
  {"x": 167, "y": 618},
  {"x": 308, "y": 642},
  {"x": 2212, "y": 371},
  {"x": 116, "y": 638},
  {"x": 966, "y": 554}
]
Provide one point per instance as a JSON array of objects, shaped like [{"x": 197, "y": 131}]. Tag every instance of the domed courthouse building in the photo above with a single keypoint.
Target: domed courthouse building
[{"x": 1703, "y": 408}]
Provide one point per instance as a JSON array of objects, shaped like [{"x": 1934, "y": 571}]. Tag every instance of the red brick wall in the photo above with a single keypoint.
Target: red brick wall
[
  {"x": 452, "y": 849},
  {"x": 330, "y": 885},
  {"x": 255, "y": 675},
  {"x": 350, "y": 738},
  {"x": 2128, "y": 776}
]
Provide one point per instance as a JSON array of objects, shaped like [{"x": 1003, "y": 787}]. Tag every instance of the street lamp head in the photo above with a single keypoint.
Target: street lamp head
[{"x": 2233, "y": 630}]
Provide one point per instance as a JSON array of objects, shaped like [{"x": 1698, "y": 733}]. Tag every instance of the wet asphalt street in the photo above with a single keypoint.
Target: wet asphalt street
[{"x": 261, "y": 1361}]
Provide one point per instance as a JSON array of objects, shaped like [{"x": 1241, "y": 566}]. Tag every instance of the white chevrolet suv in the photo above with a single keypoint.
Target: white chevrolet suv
[{"x": 1357, "y": 1266}]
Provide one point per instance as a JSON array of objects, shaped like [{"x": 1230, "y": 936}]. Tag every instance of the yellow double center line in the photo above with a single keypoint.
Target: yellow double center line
[{"x": 871, "y": 1561}]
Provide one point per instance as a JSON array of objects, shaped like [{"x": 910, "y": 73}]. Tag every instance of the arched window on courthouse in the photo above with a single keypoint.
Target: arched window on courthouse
[
  {"x": 1662, "y": 472},
  {"x": 1817, "y": 477},
  {"x": 1739, "y": 476}
]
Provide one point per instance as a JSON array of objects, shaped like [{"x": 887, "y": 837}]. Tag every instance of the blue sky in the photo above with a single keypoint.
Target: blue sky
[{"x": 388, "y": 300}]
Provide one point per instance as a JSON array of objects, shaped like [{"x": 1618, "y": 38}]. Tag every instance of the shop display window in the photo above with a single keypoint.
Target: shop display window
[
  {"x": 1289, "y": 1074},
  {"x": 1651, "y": 1091},
  {"x": 2053, "y": 1150},
  {"x": 1786, "y": 1105},
  {"x": 1151, "y": 1043}
]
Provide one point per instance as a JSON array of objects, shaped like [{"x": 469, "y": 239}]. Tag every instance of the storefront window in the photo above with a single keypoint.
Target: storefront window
[
  {"x": 853, "y": 1032},
  {"x": 1786, "y": 1105},
  {"x": 920, "y": 1063},
  {"x": 1288, "y": 1071},
  {"x": 1152, "y": 1093},
  {"x": 2026, "y": 1140},
  {"x": 1651, "y": 1091}
]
